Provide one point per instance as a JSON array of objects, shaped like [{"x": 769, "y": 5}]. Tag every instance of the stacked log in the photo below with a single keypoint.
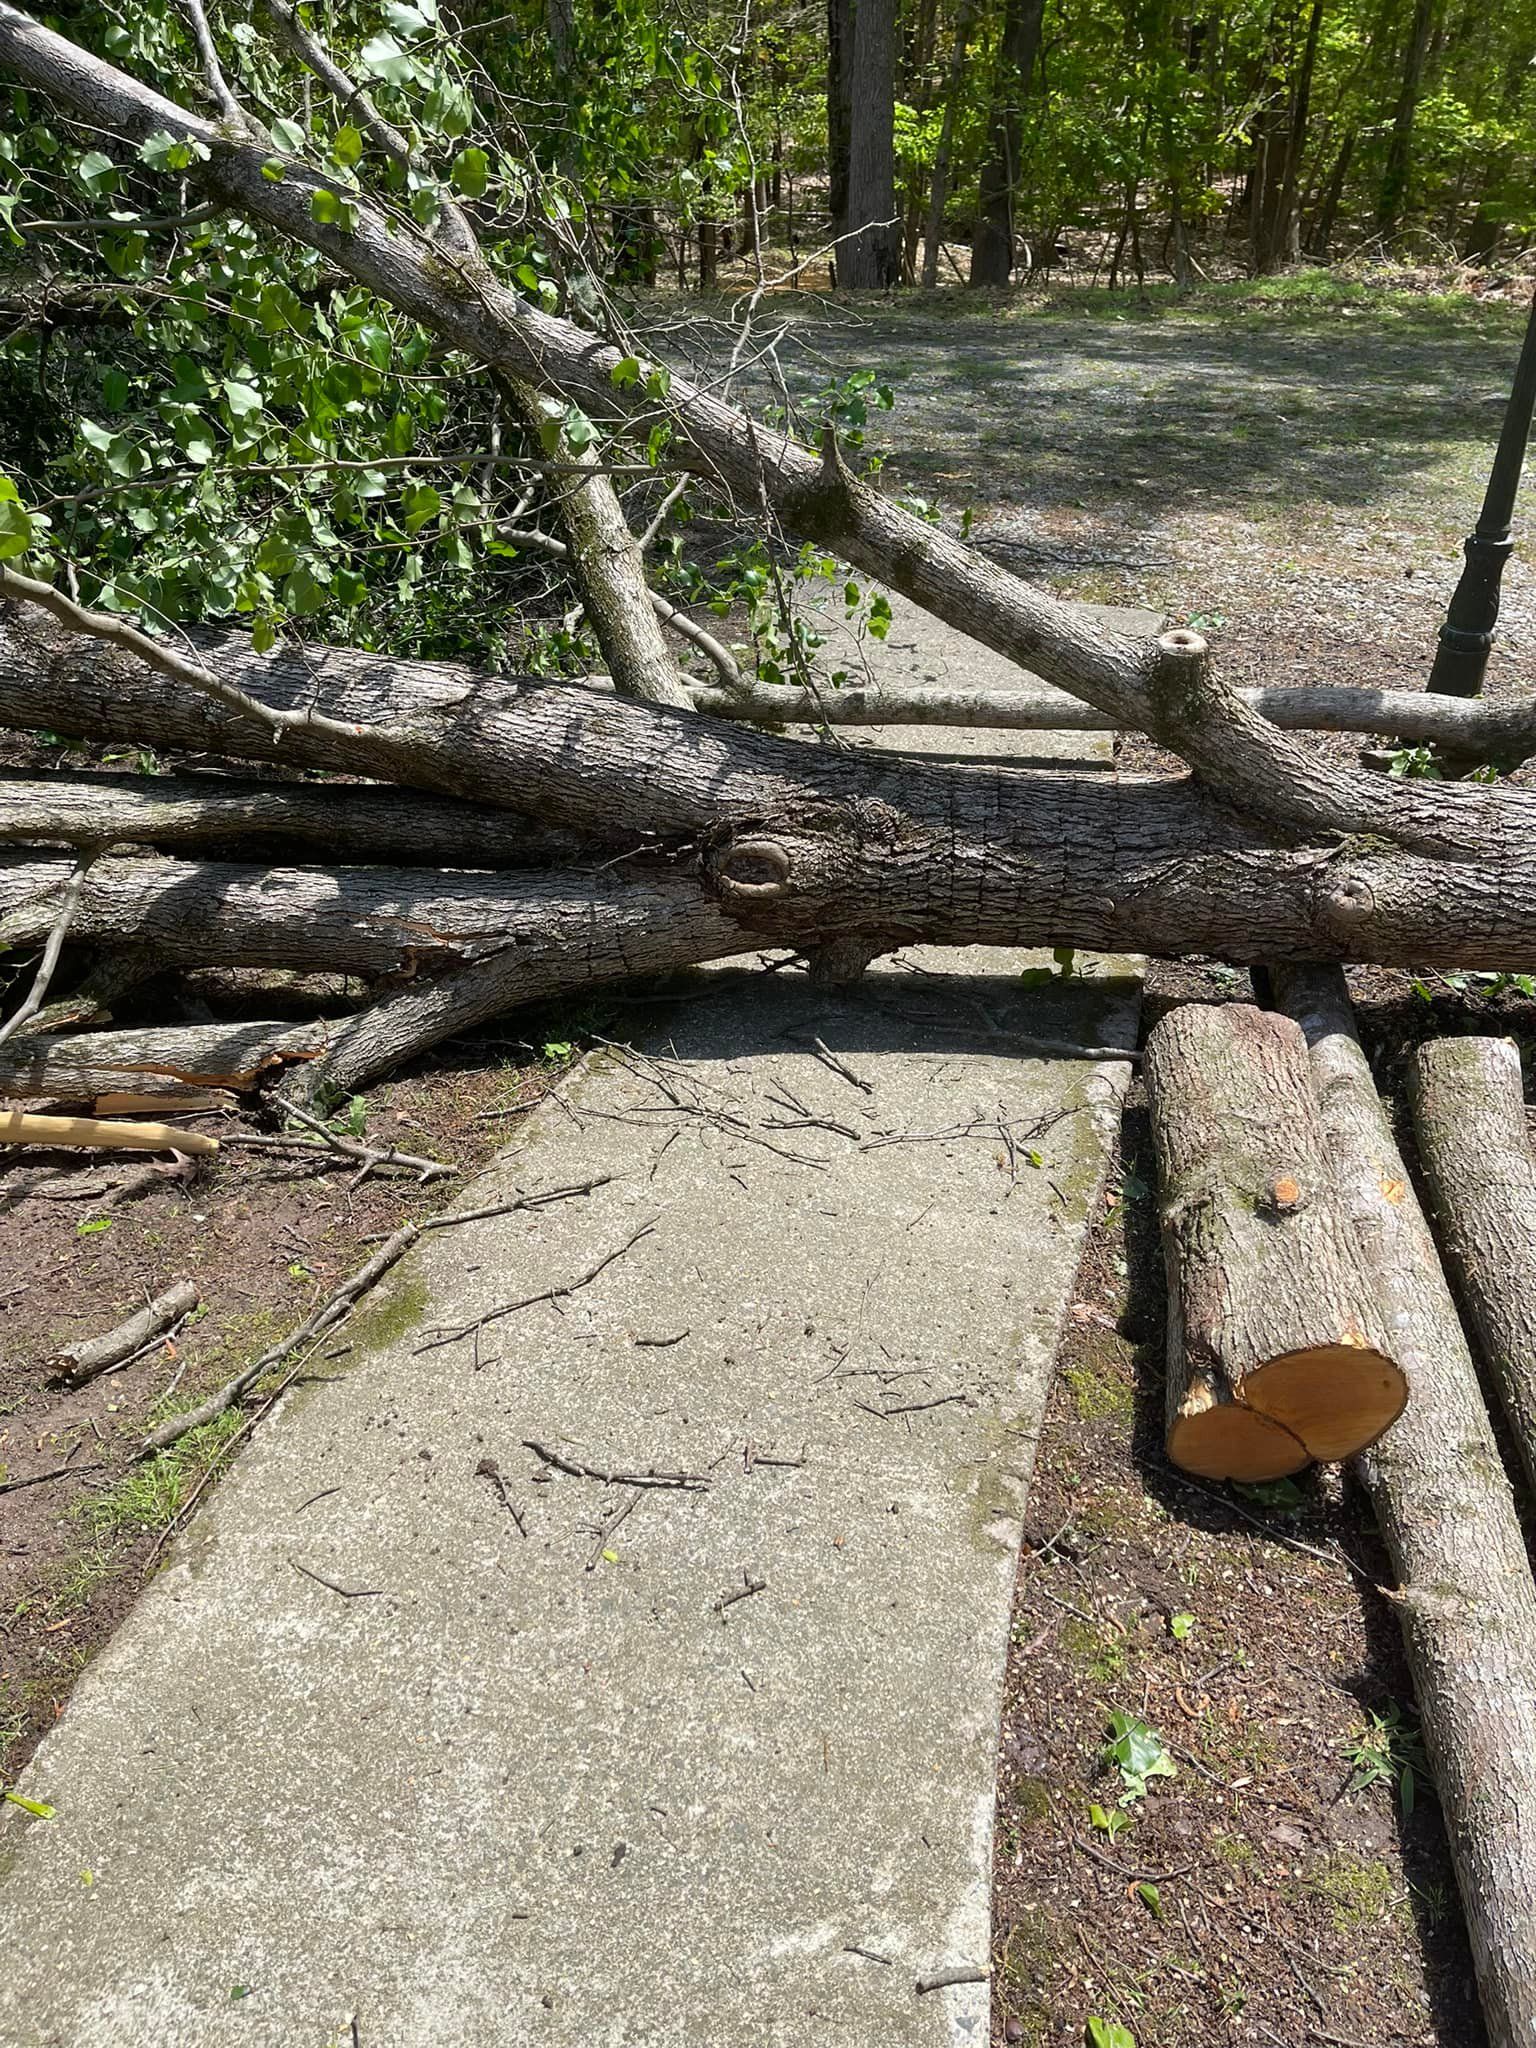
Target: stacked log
[
  {"x": 1464, "y": 1593},
  {"x": 1278, "y": 1353},
  {"x": 1469, "y": 1118}
]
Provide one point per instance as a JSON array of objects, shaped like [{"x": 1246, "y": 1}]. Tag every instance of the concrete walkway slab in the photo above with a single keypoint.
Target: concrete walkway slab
[{"x": 427, "y": 1736}]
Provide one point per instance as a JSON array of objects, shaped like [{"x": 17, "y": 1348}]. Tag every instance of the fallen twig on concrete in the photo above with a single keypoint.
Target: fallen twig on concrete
[
  {"x": 435, "y": 1339},
  {"x": 940, "y": 1980},
  {"x": 489, "y": 1469},
  {"x": 742, "y": 1592},
  {"x": 575, "y": 1469}
]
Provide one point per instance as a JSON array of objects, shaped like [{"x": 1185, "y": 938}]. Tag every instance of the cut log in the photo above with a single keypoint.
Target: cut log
[
  {"x": 1277, "y": 1349},
  {"x": 1469, "y": 1117},
  {"x": 1464, "y": 1593},
  {"x": 95, "y": 1355}
]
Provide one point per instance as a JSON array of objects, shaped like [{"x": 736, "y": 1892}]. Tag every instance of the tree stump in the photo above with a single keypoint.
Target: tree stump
[{"x": 1277, "y": 1350}]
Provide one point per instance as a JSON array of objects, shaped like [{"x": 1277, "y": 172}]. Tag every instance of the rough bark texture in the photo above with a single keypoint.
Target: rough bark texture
[
  {"x": 1464, "y": 1593},
  {"x": 1469, "y": 1118},
  {"x": 992, "y": 248},
  {"x": 353, "y": 822},
  {"x": 94, "y": 1355},
  {"x": 1271, "y": 1312},
  {"x": 400, "y": 922},
  {"x": 882, "y": 844},
  {"x": 870, "y": 257},
  {"x": 145, "y": 1064}
]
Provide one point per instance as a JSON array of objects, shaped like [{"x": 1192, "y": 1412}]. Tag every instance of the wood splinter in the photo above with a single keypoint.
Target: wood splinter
[{"x": 1277, "y": 1350}]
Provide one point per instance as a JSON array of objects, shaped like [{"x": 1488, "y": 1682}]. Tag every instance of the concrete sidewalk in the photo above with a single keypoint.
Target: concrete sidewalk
[{"x": 691, "y": 1762}]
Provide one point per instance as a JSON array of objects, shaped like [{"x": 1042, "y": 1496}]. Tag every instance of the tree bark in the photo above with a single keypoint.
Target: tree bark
[
  {"x": 1397, "y": 176},
  {"x": 897, "y": 846},
  {"x": 1278, "y": 1351},
  {"x": 992, "y": 245},
  {"x": 164, "y": 1061},
  {"x": 840, "y": 32},
  {"x": 355, "y": 822},
  {"x": 1469, "y": 1118},
  {"x": 1464, "y": 1593},
  {"x": 938, "y": 194},
  {"x": 869, "y": 258},
  {"x": 95, "y": 1355}
]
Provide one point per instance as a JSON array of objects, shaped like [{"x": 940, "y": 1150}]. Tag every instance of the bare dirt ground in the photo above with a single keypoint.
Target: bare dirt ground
[{"x": 1291, "y": 468}]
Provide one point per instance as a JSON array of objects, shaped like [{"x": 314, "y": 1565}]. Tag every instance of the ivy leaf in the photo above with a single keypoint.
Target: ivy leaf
[
  {"x": 579, "y": 430},
  {"x": 347, "y": 146},
  {"x": 471, "y": 172}
]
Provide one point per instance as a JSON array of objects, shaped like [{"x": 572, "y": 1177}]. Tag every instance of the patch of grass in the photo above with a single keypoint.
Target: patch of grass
[
  {"x": 151, "y": 1494},
  {"x": 1236, "y": 1851},
  {"x": 1359, "y": 1889},
  {"x": 1027, "y": 1951},
  {"x": 1031, "y": 1798}
]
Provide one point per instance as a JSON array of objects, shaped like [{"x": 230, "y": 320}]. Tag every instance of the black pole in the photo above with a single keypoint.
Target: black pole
[{"x": 1466, "y": 638}]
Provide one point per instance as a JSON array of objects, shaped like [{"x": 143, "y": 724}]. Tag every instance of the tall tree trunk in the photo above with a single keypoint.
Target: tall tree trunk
[
  {"x": 1321, "y": 238},
  {"x": 938, "y": 192},
  {"x": 1283, "y": 236},
  {"x": 992, "y": 245},
  {"x": 870, "y": 257},
  {"x": 1397, "y": 176},
  {"x": 840, "y": 26}
]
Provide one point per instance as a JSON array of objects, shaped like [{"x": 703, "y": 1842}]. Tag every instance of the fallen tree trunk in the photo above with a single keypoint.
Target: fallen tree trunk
[
  {"x": 1464, "y": 1594},
  {"x": 353, "y": 821},
  {"x": 146, "y": 1064},
  {"x": 1277, "y": 1352},
  {"x": 803, "y": 845},
  {"x": 399, "y": 922},
  {"x": 1469, "y": 1119}
]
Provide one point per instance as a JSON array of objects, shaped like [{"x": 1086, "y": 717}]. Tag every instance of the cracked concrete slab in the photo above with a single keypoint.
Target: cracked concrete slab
[{"x": 679, "y": 1728}]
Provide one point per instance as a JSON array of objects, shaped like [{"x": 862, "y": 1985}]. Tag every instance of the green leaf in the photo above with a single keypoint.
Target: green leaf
[
  {"x": 329, "y": 210},
  {"x": 288, "y": 135},
  {"x": 96, "y": 172},
  {"x": 94, "y": 1228},
  {"x": 38, "y": 1808},
  {"x": 163, "y": 151},
  {"x": 263, "y": 636},
  {"x": 879, "y": 615},
  {"x": 347, "y": 146},
  {"x": 1181, "y": 1627},
  {"x": 274, "y": 170},
  {"x": 115, "y": 390},
  {"x": 625, "y": 373},
  {"x": 471, "y": 172},
  {"x": 579, "y": 430},
  {"x": 1152, "y": 1899},
  {"x": 242, "y": 399},
  {"x": 1109, "y": 2034},
  {"x": 16, "y": 534},
  {"x": 418, "y": 504},
  {"x": 384, "y": 58}
]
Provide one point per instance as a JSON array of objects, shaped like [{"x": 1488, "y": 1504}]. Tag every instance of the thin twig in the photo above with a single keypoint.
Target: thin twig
[
  {"x": 346, "y": 1592},
  {"x": 489, "y": 1469},
  {"x": 437, "y": 1338},
  {"x": 687, "y": 1481},
  {"x": 51, "y": 951},
  {"x": 830, "y": 1059},
  {"x": 65, "y": 1471},
  {"x": 742, "y": 1592},
  {"x": 606, "y": 1529}
]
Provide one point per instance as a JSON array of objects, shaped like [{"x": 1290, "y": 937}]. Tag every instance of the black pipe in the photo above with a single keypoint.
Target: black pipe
[{"x": 1466, "y": 638}]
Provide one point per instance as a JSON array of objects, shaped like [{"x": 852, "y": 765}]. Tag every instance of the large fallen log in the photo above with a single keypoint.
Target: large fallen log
[
  {"x": 801, "y": 844},
  {"x": 400, "y": 922},
  {"x": 353, "y": 821},
  {"x": 1469, "y": 1119},
  {"x": 1464, "y": 1592},
  {"x": 1277, "y": 1351}
]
